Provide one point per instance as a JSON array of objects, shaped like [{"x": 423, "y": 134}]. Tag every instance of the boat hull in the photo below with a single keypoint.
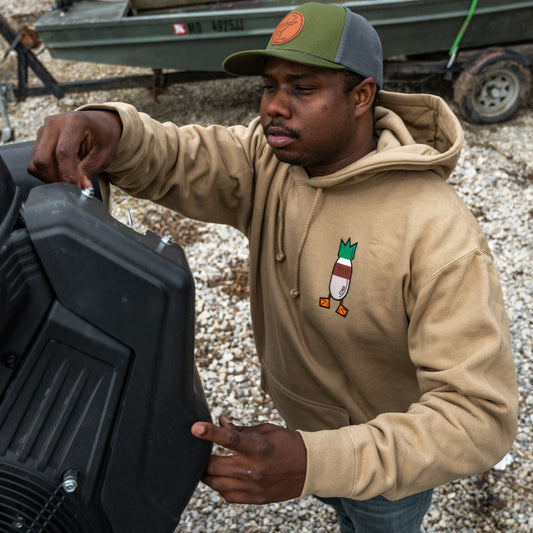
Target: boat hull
[{"x": 200, "y": 37}]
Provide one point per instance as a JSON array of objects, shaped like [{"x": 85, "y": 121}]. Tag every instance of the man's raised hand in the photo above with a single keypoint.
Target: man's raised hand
[{"x": 74, "y": 147}]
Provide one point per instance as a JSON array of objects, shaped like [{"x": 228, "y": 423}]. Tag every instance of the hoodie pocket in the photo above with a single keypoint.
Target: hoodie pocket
[{"x": 300, "y": 412}]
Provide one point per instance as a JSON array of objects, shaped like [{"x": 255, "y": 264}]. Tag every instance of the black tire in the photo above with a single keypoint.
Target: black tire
[{"x": 494, "y": 93}]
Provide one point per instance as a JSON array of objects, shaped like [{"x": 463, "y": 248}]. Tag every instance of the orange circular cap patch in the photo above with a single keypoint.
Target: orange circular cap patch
[{"x": 288, "y": 28}]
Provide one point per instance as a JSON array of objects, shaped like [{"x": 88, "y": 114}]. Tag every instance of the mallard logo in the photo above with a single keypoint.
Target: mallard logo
[{"x": 339, "y": 283}]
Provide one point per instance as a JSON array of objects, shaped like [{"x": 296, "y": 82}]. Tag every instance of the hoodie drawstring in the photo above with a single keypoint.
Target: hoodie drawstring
[
  {"x": 280, "y": 253},
  {"x": 295, "y": 292}
]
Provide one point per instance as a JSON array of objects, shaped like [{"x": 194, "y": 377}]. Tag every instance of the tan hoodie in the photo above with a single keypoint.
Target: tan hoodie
[{"x": 376, "y": 305}]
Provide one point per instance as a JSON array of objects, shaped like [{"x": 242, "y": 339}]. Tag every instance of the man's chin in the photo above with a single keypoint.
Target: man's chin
[{"x": 291, "y": 159}]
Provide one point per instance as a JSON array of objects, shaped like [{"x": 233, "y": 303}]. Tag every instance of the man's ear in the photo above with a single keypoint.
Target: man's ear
[{"x": 364, "y": 95}]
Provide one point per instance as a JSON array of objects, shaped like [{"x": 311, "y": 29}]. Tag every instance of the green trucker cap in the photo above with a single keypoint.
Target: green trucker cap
[{"x": 319, "y": 35}]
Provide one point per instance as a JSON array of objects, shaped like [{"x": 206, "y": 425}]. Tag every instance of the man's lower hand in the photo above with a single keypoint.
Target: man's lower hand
[{"x": 268, "y": 463}]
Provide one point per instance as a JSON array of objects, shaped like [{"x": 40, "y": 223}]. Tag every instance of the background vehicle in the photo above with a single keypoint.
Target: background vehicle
[{"x": 484, "y": 48}]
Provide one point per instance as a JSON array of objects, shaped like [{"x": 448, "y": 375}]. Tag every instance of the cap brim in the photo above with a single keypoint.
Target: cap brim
[{"x": 251, "y": 62}]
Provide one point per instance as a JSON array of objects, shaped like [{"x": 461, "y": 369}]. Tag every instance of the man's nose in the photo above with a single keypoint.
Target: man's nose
[{"x": 279, "y": 105}]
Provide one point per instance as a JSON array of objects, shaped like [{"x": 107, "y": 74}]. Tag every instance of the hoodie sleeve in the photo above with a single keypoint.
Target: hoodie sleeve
[
  {"x": 466, "y": 416},
  {"x": 204, "y": 173}
]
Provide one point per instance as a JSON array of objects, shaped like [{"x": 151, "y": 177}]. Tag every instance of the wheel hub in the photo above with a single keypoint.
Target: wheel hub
[{"x": 498, "y": 91}]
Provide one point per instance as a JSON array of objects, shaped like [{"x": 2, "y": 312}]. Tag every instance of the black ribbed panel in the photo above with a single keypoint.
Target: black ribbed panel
[
  {"x": 58, "y": 412},
  {"x": 59, "y": 400}
]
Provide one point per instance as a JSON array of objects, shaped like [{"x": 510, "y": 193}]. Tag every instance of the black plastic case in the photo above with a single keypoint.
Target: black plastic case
[{"x": 98, "y": 386}]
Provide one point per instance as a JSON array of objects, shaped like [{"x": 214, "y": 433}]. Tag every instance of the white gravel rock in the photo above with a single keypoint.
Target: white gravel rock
[{"x": 494, "y": 177}]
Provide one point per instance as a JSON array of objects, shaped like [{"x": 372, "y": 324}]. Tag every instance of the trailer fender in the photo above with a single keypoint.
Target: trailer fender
[{"x": 487, "y": 57}]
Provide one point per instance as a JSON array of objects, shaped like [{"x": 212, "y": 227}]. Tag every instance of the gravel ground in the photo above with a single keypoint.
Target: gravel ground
[{"x": 494, "y": 177}]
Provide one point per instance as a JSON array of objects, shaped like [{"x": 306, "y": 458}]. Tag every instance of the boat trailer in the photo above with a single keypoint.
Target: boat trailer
[
  {"x": 490, "y": 83},
  {"x": 27, "y": 59}
]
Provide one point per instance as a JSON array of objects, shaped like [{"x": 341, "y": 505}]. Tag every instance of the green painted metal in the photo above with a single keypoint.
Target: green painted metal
[
  {"x": 199, "y": 37},
  {"x": 462, "y": 30}
]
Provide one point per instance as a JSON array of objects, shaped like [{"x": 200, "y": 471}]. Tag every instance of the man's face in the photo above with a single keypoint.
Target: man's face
[{"x": 307, "y": 118}]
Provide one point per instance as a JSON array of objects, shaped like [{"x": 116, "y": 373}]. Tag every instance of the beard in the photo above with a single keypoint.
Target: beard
[
  {"x": 280, "y": 153},
  {"x": 290, "y": 159},
  {"x": 288, "y": 131}
]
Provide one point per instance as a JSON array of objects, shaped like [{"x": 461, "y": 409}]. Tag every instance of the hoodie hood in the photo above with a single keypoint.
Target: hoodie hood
[{"x": 414, "y": 132}]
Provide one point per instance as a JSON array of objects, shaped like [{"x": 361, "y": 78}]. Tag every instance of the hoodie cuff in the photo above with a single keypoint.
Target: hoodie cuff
[{"x": 331, "y": 464}]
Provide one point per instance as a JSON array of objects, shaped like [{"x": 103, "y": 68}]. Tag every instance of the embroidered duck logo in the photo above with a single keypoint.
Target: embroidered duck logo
[{"x": 340, "y": 277}]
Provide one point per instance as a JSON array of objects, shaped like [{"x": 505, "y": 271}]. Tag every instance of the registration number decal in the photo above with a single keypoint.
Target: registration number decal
[
  {"x": 227, "y": 25},
  {"x": 219, "y": 26}
]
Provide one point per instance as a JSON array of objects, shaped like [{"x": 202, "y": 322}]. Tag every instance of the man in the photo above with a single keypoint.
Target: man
[{"x": 377, "y": 311}]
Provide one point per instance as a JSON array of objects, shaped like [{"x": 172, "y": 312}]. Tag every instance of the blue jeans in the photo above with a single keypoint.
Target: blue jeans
[{"x": 379, "y": 515}]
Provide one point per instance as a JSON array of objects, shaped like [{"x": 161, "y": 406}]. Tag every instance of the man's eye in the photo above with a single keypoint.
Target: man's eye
[
  {"x": 268, "y": 88},
  {"x": 304, "y": 89}
]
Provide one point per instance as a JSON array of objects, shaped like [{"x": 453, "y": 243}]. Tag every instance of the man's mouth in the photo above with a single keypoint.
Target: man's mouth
[{"x": 279, "y": 137}]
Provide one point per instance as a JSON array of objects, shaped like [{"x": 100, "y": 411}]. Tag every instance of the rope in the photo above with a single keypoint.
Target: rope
[{"x": 462, "y": 30}]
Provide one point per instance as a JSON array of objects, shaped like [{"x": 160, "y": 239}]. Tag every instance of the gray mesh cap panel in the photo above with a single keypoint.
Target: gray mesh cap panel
[{"x": 360, "y": 48}]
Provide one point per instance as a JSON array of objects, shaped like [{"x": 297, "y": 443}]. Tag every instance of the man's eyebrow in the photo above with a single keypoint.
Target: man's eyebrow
[{"x": 292, "y": 77}]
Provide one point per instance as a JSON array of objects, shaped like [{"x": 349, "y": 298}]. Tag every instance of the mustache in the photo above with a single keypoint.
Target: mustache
[{"x": 280, "y": 129}]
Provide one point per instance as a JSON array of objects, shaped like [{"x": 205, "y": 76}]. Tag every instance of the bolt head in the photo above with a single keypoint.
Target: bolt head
[
  {"x": 70, "y": 486},
  {"x": 70, "y": 481},
  {"x": 10, "y": 360}
]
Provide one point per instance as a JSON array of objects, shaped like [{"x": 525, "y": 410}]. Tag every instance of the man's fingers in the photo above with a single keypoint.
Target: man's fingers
[
  {"x": 76, "y": 146},
  {"x": 228, "y": 437},
  {"x": 86, "y": 182},
  {"x": 234, "y": 481},
  {"x": 42, "y": 162},
  {"x": 233, "y": 490},
  {"x": 232, "y": 466},
  {"x": 55, "y": 158}
]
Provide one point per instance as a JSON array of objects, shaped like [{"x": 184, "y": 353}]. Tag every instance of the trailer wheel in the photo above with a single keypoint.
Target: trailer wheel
[{"x": 494, "y": 92}]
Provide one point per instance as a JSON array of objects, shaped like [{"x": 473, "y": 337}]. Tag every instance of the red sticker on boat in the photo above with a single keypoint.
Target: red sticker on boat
[
  {"x": 288, "y": 28},
  {"x": 179, "y": 28}
]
